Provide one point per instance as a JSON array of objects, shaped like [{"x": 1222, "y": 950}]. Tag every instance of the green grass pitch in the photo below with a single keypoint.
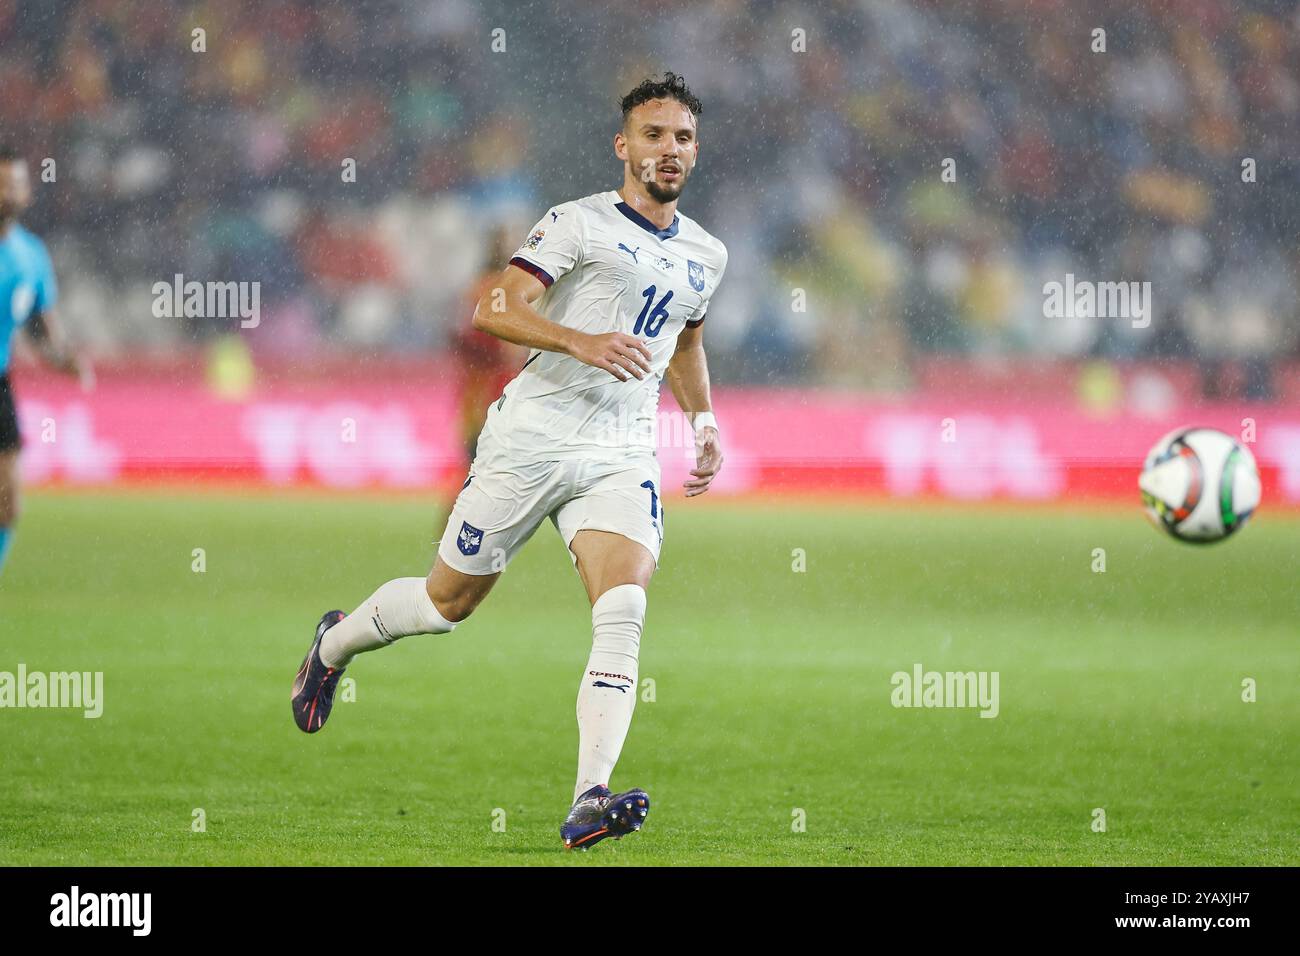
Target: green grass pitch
[{"x": 1119, "y": 690}]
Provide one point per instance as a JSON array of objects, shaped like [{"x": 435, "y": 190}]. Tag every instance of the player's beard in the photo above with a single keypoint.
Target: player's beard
[
  {"x": 663, "y": 194},
  {"x": 667, "y": 192}
]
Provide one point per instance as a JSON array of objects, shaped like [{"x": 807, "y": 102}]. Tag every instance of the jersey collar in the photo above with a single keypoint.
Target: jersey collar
[{"x": 645, "y": 223}]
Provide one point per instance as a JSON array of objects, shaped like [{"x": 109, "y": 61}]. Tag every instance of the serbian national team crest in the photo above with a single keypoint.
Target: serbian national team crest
[
  {"x": 470, "y": 538},
  {"x": 695, "y": 273}
]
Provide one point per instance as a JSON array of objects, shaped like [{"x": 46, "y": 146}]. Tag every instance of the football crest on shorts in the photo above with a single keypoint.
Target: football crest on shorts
[
  {"x": 695, "y": 273},
  {"x": 470, "y": 538}
]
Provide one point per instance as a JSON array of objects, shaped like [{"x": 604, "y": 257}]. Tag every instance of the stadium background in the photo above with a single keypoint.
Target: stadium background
[
  {"x": 924, "y": 304},
  {"x": 920, "y": 300}
]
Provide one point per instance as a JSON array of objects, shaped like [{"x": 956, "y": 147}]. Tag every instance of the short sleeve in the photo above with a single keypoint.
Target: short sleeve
[
  {"x": 554, "y": 246},
  {"x": 698, "y": 319}
]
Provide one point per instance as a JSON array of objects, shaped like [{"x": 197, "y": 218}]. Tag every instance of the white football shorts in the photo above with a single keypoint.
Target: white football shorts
[{"x": 503, "y": 501}]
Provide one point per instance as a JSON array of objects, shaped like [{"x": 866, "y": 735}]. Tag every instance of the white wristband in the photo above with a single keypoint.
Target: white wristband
[{"x": 703, "y": 420}]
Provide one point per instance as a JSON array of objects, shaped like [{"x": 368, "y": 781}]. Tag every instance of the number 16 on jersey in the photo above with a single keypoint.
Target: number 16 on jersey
[{"x": 651, "y": 322}]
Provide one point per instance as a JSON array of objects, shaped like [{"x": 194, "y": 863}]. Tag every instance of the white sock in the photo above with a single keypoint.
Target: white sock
[
  {"x": 605, "y": 712},
  {"x": 400, "y": 608}
]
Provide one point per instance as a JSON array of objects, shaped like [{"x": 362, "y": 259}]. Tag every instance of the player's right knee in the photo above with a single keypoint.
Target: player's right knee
[
  {"x": 456, "y": 595},
  {"x": 454, "y": 610}
]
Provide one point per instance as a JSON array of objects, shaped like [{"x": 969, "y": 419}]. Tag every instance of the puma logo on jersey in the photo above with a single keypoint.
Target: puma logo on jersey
[{"x": 630, "y": 252}]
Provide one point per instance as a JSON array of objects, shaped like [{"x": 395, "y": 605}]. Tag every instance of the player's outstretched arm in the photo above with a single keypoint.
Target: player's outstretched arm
[
  {"x": 46, "y": 332},
  {"x": 505, "y": 310},
  {"x": 688, "y": 376}
]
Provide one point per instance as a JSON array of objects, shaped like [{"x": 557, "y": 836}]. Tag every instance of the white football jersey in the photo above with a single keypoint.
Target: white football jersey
[{"x": 606, "y": 269}]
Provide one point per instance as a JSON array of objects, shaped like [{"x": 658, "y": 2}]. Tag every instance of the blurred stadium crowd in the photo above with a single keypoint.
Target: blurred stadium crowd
[{"x": 820, "y": 170}]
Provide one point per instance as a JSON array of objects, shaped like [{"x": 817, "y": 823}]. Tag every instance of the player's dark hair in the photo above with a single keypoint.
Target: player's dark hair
[
  {"x": 9, "y": 154},
  {"x": 671, "y": 87}
]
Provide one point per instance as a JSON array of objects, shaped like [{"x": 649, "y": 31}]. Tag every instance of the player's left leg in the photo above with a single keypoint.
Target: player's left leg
[
  {"x": 616, "y": 572},
  {"x": 10, "y": 444},
  {"x": 613, "y": 531},
  {"x": 8, "y": 499}
]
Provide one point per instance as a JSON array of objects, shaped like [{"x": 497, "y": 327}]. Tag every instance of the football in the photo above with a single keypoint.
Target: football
[{"x": 1199, "y": 484}]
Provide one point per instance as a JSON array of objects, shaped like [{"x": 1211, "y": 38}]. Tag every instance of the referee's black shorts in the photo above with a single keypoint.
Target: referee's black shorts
[{"x": 10, "y": 440}]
